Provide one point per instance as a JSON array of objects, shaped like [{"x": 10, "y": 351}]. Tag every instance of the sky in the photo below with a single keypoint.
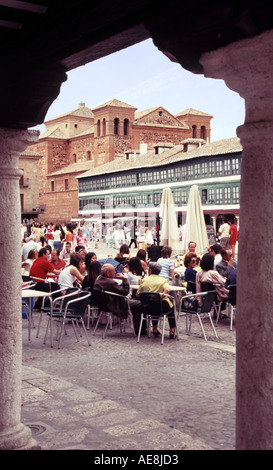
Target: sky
[{"x": 144, "y": 77}]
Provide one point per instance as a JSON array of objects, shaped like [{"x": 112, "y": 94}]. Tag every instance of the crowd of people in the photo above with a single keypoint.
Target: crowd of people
[
  {"x": 131, "y": 234},
  {"x": 114, "y": 235},
  {"x": 61, "y": 254},
  {"x": 218, "y": 266}
]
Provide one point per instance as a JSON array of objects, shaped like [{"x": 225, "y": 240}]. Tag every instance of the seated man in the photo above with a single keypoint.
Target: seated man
[
  {"x": 227, "y": 264},
  {"x": 156, "y": 283},
  {"x": 105, "y": 281},
  {"x": 192, "y": 249},
  {"x": 216, "y": 250},
  {"x": 66, "y": 252},
  {"x": 56, "y": 261},
  {"x": 41, "y": 267}
]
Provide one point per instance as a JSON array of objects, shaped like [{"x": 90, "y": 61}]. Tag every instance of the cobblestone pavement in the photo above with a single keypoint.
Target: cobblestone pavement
[{"x": 117, "y": 394}]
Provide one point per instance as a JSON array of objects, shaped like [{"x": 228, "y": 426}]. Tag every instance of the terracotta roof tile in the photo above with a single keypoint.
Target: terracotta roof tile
[{"x": 150, "y": 159}]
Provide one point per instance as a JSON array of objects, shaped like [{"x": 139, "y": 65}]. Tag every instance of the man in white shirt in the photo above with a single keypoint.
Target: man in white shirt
[
  {"x": 66, "y": 252},
  {"x": 29, "y": 245},
  {"x": 224, "y": 234},
  {"x": 215, "y": 250}
]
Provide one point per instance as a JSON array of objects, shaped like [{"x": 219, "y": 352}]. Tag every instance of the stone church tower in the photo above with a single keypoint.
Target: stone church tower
[{"x": 112, "y": 130}]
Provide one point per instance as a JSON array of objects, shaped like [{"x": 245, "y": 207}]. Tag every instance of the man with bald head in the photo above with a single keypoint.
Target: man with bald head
[{"x": 105, "y": 281}]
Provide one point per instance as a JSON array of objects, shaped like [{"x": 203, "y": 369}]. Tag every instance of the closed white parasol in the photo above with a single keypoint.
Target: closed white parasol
[
  {"x": 169, "y": 235},
  {"x": 195, "y": 223}
]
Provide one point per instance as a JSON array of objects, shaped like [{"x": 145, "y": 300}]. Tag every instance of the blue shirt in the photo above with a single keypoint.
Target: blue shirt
[{"x": 166, "y": 264}]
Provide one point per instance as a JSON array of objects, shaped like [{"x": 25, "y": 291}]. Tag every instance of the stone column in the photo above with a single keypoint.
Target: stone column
[
  {"x": 247, "y": 68},
  {"x": 13, "y": 434}
]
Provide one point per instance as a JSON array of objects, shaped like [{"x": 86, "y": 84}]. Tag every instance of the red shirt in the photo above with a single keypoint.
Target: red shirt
[
  {"x": 40, "y": 267},
  {"x": 60, "y": 265},
  {"x": 49, "y": 232},
  {"x": 233, "y": 234}
]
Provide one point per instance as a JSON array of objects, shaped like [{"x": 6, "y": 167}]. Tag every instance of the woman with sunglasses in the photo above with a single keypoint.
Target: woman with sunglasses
[{"x": 190, "y": 263}]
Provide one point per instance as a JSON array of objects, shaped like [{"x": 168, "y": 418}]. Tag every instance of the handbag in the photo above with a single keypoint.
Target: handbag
[{"x": 190, "y": 304}]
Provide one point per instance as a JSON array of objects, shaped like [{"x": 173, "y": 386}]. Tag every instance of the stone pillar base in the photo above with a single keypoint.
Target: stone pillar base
[{"x": 18, "y": 438}]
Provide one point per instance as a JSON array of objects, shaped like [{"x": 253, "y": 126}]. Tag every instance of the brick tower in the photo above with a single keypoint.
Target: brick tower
[{"x": 112, "y": 130}]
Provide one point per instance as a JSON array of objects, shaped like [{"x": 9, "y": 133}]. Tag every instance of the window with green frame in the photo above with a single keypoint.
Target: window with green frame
[
  {"x": 219, "y": 168},
  {"x": 211, "y": 195},
  {"x": 156, "y": 177},
  {"x": 184, "y": 197},
  {"x": 197, "y": 170},
  {"x": 171, "y": 174},
  {"x": 227, "y": 195},
  {"x": 227, "y": 167},
  {"x": 163, "y": 176},
  {"x": 235, "y": 194},
  {"x": 150, "y": 177},
  {"x": 177, "y": 197},
  {"x": 219, "y": 195},
  {"x": 157, "y": 198},
  {"x": 190, "y": 171},
  {"x": 177, "y": 174},
  {"x": 211, "y": 168},
  {"x": 204, "y": 169},
  {"x": 235, "y": 166}
]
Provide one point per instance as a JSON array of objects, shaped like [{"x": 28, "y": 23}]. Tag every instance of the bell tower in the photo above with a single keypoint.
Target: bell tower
[{"x": 112, "y": 130}]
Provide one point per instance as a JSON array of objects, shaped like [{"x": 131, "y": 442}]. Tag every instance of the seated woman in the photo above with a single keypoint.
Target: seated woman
[
  {"x": 93, "y": 271},
  {"x": 71, "y": 274},
  {"x": 27, "y": 263},
  {"x": 208, "y": 274},
  {"x": 141, "y": 254},
  {"x": 135, "y": 274},
  {"x": 123, "y": 255},
  {"x": 90, "y": 257},
  {"x": 190, "y": 263},
  {"x": 167, "y": 265}
]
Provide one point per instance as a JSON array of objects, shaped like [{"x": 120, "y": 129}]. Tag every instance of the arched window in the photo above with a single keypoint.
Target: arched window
[
  {"x": 98, "y": 128},
  {"x": 126, "y": 126},
  {"x": 203, "y": 133},
  {"x": 104, "y": 127},
  {"x": 88, "y": 155},
  {"x": 194, "y": 132},
  {"x": 116, "y": 125}
]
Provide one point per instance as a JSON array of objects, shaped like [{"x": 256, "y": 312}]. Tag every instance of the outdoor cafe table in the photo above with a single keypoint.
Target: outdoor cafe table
[
  {"x": 32, "y": 293},
  {"x": 172, "y": 288},
  {"x": 176, "y": 291}
]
